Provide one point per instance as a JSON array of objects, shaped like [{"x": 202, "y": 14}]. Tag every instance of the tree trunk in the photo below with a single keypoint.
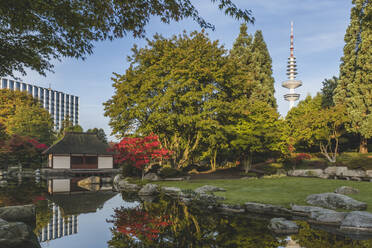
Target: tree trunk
[
  {"x": 363, "y": 145},
  {"x": 247, "y": 163}
]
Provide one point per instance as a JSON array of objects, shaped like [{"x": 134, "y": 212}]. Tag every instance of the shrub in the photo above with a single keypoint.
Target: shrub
[
  {"x": 130, "y": 171},
  {"x": 302, "y": 156},
  {"x": 171, "y": 172}
]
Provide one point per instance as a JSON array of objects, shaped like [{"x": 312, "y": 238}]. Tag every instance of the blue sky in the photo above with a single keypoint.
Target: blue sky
[{"x": 319, "y": 28}]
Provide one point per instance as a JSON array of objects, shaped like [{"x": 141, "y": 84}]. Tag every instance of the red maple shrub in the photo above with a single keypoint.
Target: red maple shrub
[{"x": 140, "y": 151}]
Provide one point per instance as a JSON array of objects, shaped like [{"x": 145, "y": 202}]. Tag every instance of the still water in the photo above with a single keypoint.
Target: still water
[{"x": 69, "y": 216}]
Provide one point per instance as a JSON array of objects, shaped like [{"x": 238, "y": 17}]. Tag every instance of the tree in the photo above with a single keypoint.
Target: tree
[
  {"x": 355, "y": 88},
  {"x": 260, "y": 132},
  {"x": 174, "y": 87},
  {"x": 329, "y": 86},
  {"x": 253, "y": 67},
  {"x": 100, "y": 134},
  {"x": 32, "y": 121},
  {"x": 35, "y": 32},
  {"x": 68, "y": 126},
  {"x": 3, "y": 134},
  {"x": 140, "y": 152}
]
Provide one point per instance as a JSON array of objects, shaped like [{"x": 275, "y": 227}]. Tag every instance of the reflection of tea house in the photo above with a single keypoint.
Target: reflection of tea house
[{"x": 79, "y": 151}]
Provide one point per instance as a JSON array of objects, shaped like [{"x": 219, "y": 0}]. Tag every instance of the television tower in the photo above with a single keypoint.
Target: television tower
[{"x": 291, "y": 83}]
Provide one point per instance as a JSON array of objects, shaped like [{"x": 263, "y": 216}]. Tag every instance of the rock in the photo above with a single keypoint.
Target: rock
[
  {"x": 369, "y": 173},
  {"x": 121, "y": 184},
  {"x": 335, "y": 170},
  {"x": 116, "y": 181},
  {"x": 333, "y": 201},
  {"x": 208, "y": 188},
  {"x": 357, "y": 221},
  {"x": 149, "y": 189},
  {"x": 152, "y": 177},
  {"x": 283, "y": 226},
  {"x": 266, "y": 209},
  {"x": 106, "y": 180},
  {"x": 346, "y": 190},
  {"x": 24, "y": 213},
  {"x": 89, "y": 180},
  {"x": 171, "y": 191},
  {"x": 354, "y": 173},
  {"x": 231, "y": 208},
  {"x": 306, "y": 173},
  {"x": 359, "y": 179},
  {"x": 16, "y": 235},
  {"x": 306, "y": 210},
  {"x": 328, "y": 217},
  {"x": 210, "y": 197}
]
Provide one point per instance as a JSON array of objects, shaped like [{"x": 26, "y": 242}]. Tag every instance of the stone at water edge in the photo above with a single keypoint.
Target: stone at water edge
[
  {"x": 17, "y": 234},
  {"x": 149, "y": 189},
  {"x": 346, "y": 190},
  {"x": 25, "y": 213},
  {"x": 334, "y": 201},
  {"x": 208, "y": 188},
  {"x": 174, "y": 191},
  {"x": 357, "y": 221},
  {"x": 283, "y": 226}
]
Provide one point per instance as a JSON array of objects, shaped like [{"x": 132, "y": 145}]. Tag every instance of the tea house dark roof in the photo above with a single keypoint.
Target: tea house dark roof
[{"x": 79, "y": 143}]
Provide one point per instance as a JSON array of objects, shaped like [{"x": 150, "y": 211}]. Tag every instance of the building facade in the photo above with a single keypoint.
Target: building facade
[{"x": 59, "y": 104}]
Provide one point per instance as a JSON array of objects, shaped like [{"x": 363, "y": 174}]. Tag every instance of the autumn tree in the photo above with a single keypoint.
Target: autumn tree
[
  {"x": 355, "y": 85},
  {"x": 37, "y": 32},
  {"x": 174, "y": 87}
]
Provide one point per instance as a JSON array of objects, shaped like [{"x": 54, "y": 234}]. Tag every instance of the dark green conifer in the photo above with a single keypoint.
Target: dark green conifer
[{"x": 355, "y": 86}]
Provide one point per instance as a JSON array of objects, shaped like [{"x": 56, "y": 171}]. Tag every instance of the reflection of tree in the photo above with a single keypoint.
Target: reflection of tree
[
  {"x": 173, "y": 224},
  {"x": 308, "y": 237}
]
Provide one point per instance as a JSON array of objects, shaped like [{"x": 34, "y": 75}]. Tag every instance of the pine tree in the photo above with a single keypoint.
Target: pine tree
[
  {"x": 355, "y": 86},
  {"x": 262, "y": 64}
]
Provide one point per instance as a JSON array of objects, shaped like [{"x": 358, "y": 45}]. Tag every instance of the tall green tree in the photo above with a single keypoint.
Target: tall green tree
[
  {"x": 328, "y": 91},
  {"x": 100, "y": 133},
  {"x": 253, "y": 67},
  {"x": 355, "y": 85},
  {"x": 175, "y": 88},
  {"x": 68, "y": 126},
  {"x": 34, "y": 32},
  {"x": 32, "y": 121},
  {"x": 262, "y": 68}
]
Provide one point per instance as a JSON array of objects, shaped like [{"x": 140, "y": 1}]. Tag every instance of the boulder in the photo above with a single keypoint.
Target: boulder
[
  {"x": 283, "y": 226},
  {"x": 24, "y": 213},
  {"x": 306, "y": 173},
  {"x": 17, "y": 235},
  {"x": 171, "y": 191},
  {"x": 333, "y": 201},
  {"x": 308, "y": 210},
  {"x": 346, "y": 190},
  {"x": 354, "y": 173},
  {"x": 329, "y": 217},
  {"x": 152, "y": 177},
  {"x": 208, "y": 188},
  {"x": 369, "y": 173},
  {"x": 149, "y": 189},
  {"x": 227, "y": 208},
  {"x": 335, "y": 170},
  {"x": 267, "y": 209},
  {"x": 121, "y": 184},
  {"x": 210, "y": 197},
  {"x": 357, "y": 221}
]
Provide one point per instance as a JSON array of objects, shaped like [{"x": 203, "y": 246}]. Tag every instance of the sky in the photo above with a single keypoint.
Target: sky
[{"x": 319, "y": 29}]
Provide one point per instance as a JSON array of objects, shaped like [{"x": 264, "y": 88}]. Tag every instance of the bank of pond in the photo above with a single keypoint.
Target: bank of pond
[{"x": 68, "y": 215}]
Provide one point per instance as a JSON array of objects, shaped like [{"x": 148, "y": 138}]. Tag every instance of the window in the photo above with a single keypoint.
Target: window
[
  {"x": 77, "y": 159},
  {"x": 91, "y": 160}
]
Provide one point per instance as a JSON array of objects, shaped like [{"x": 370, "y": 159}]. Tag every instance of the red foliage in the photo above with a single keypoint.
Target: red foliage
[
  {"x": 302, "y": 156},
  {"x": 140, "y": 151},
  {"x": 37, "y": 144},
  {"x": 138, "y": 223}
]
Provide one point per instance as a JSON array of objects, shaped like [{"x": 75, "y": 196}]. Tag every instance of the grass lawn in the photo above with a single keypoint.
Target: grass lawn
[{"x": 279, "y": 191}]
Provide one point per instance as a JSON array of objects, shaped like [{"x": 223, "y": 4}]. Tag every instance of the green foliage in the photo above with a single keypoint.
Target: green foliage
[
  {"x": 171, "y": 172},
  {"x": 100, "y": 134},
  {"x": 260, "y": 132},
  {"x": 36, "y": 32},
  {"x": 329, "y": 86},
  {"x": 32, "y": 121},
  {"x": 129, "y": 170},
  {"x": 68, "y": 126},
  {"x": 354, "y": 89},
  {"x": 23, "y": 115}
]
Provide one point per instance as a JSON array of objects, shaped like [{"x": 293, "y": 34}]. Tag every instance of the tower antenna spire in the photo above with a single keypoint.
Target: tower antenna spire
[{"x": 291, "y": 83}]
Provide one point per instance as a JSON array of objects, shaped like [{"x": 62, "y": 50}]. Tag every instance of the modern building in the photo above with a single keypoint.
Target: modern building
[
  {"x": 80, "y": 151},
  {"x": 291, "y": 83},
  {"x": 59, "y": 104},
  {"x": 59, "y": 225}
]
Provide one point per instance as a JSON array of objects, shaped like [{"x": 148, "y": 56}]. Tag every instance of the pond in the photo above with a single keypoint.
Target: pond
[{"x": 72, "y": 216}]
